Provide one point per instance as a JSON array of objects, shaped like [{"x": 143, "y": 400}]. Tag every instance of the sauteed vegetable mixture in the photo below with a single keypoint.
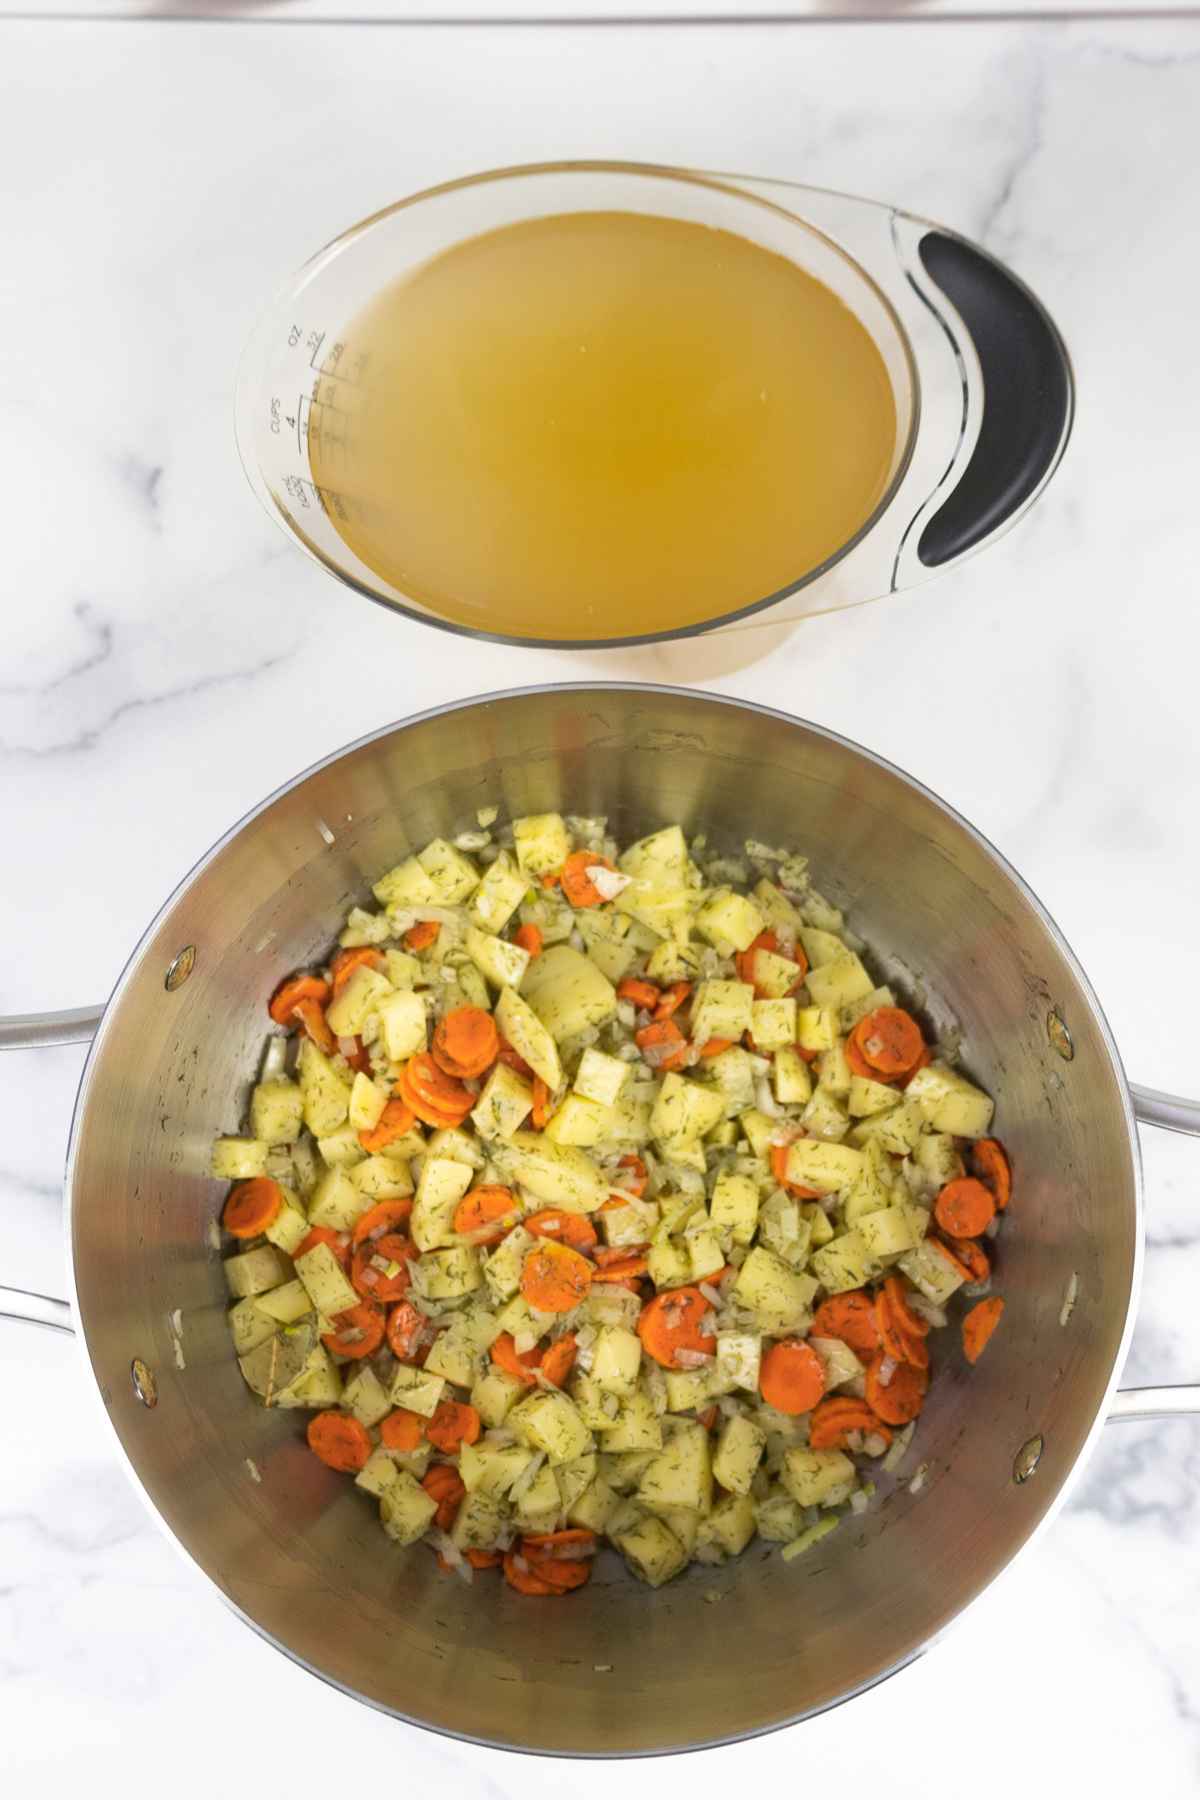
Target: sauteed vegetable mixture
[{"x": 599, "y": 1194}]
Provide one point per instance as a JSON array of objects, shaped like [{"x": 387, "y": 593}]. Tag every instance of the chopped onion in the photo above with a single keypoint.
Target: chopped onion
[
  {"x": 1069, "y": 1299},
  {"x": 348, "y": 1047},
  {"x": 896, "y": 1454},
  {"x": 918, "y": 1480},
  {"x": 608, "y": 883},
  {"x": 710, "y": 1294},
  {"x": 692, "y": 1359},
  {"x": 859, "y": 1501},
  {"x": 887, "y": 1369}
]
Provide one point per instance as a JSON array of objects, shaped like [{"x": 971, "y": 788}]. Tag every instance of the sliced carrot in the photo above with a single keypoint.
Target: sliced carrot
[
  {"x": 445, "y": 1486},
  {"x": 901, "y": 1398},
  {"x": 561, "y": 1558},
  {"x": 715, "y": 1047},
  {"x": 520, "y": 1574},
  {"x": 528, "y": 937},
  {"x": 514, "y": 1060},
  {"x": 857, "y": 1062},
  {"x": 406, "y": 1330},
  {"x": 339, "y": 1440},
  {"x": 395, "y": 1121},
  {"x": 575, "y": 1229},
  {"x": 520, "y": 1365},
  {"x": 363, "y": 956},
  {"x": 422, "y": 934},
  {"x": 558, "y": 1359},
  {"x": 672, "y": 999},
  {"x": 402, "y": 1430},
  {"x": 374, "y": 1283},
  {"x": 572, "y": 1541},
  {"x": 641, "y": 1176},
  {"x": 671, "y": 1322},
  {"x": 283, "y": 1002},
  {"x": 890, "y": 1040},
  {"x": 978, "y": 1326},
  {"x": 990, "y": 1161},
  {"x": 576, "y": 883},
  {"x": 960, "y": 1268},
  {"x": 484, "y": 1559},
  {"x": 315, "y": 1026},
  {"x": 964, "y": 1208},
  {"x": 745, "y": 961},
  {"x": 779, "y": 1159},
  {"x": 835, "y": 1417},
  {"x": 550, "y": 880},
  {"x": 485, "y": 1207},
  {"x": 898, "y": 1290},
  {"x": 904, "y": 1346},
  {"x": 429, "y": 1093},
  {"x": 251, "y": 1206},
  {"x": 359, "y": 1331},
  {"x": 644, "y": 994},
  {"x": 381, "y": 1220},
  {"x": 453, "y": 1424},
  {"x": 359, "y": 1059},
  {"x": 792, "y": 1376},
  {"x": 972, "y": 1256},
  {"x": 555, "y": 1278},
  {"x": 337, "y": 1241},
  {"x": 663, "y": 1045},
  {"x": 539, "y": 1116},
  {"x": 466, "y": 1042},
  {"x": 620, "y": 1266}
]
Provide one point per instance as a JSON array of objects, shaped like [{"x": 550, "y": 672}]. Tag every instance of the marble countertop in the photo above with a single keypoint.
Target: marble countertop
[{"x": 165, "y": 665}]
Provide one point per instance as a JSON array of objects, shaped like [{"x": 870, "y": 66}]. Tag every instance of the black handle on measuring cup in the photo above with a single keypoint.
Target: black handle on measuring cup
[{"x": 1028, "y": 395}]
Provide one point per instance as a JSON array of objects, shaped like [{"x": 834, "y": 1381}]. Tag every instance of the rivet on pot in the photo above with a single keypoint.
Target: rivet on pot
[
  {"x": 144, "y": 1384},
  {"x": 181, "y": 968},
  {"x": 1060, "y": 1037},
  {"x": 1027, "y": 1458}
]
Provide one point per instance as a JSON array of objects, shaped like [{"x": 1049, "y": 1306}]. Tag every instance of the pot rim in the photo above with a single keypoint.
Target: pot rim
[{"x": 132, "y": 967}]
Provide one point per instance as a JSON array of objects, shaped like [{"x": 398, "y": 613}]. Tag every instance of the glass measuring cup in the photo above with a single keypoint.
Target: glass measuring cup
[{"x": 980, "y": 379}]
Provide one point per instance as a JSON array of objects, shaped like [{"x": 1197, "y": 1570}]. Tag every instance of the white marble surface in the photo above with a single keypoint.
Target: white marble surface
[{"x": 165, "y": 664}]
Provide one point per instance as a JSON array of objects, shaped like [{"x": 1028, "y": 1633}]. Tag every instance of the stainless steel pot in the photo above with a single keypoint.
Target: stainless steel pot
[{"x": 615, "y": 1669}]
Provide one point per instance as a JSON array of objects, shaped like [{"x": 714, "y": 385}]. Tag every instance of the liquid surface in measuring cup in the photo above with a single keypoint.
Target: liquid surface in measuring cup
[{"x": 600, "y": 425}]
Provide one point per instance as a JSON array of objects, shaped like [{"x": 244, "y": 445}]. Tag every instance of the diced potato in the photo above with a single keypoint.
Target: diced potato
[
  {"x": 818, "y": 1223},
  {"x": 452, "y": 874},
  {"x": 362, "y": 995},
  {"x": 867, "y": 1097},
  {"x": 324, "y": 1282},
  {"x": 790, "y": 1077},
  {"x": 377, "y": 1473},
  {"x": 899, "y": 1131},
  {"x": 888, "y": 1232},
  {"x": 623, "y": 1469},
  {"x": 523, "y": 1322},
  {"x": 491, "y": 1468},
  {"x": 494, "y": 1395},
  {"x": 688, "y": 1390},
  {"x": 636, "y": 1426},
  {"x": 663, "y": 855},
  {"x": 727, "y": 1529},
  {"x": 816, "y": 1028},
  {"x": 286, "y": 1304},
  {"x": 442, "y": 1184},
  {"x": 536, "y": 1507},
  {"x": 820, "y": 947},
  {"x": 447, "y": 1274},
  {"x": 593, "y": 1508},
  {"x": 336, "y": 1203},
  {"x": 733, "y": 1074},
  {"x": 835, "y": 984},
  {"x": 810, "y": 1476},
  {"x": 567, "y": 992},
  {"x": 950, "y": 1102},
  {"x": 826, "y": 1168},
  {"x": 705, "y": 1254},
  {"x": 630, "y": 1117},
  {"x": 404, "y": 1024},
  {"x": 405, "y": 885},
  {"x": 778, "y": 1518},
  {"x": 454, "y": 1357},
  {"x": 739, "y": 1452},
  {"x": 250, "y": 1325},
  {"x": 254, "y": 1272},
  {"x": 773, "y": 1024},
  {"x": 936, "y": 1157},
  {"x": 632, "y": 1222},
  {"x": 600, "y": 1077},
  {"x": 318, "y": 1384},
  {"x": 739, "y": 1355},
  {"x": 825, "y": 1117},
  {"x": 403, "y": 970},
  {"x": 542, "y": 843},
  {"x": 504, "y": 1104},
  {"x": 734, "y": 1206},
  {"x": 729, "y": 921},
  {"x": 290, "y": 1226},
  {"x": 326, "y": 1094},
  {"x": 417, "y": 1390},
  {"x": 775, "y": 977},
  {"x": 367, "y": 1101},
  {"x": 271, "y": 1369},
  {"x": 783, "y": 1228},
  {"x": 668, "y": 1263},
  {"x": 930, "y": 1272},
  {"x": 844, "y": 1263},
  {"x": 759, "y": 1131},
  {"x": 663, "y": 906},
  {"x": 597, "y": 1409},
  {"x": 670, "y": 962},
  {"x": 616, "y": 1360},
  {"x": 574, "y": 1478},
  {"x": 838, "y": 1361},
  {"x": 778, "y": 1294},
  {"x": 579, "y": 1121},
  {"x": 341, "y": 1148},
  {"x": 497, "y": 897},
  {"x": 480, "y": 1523},
  {"x": 550, "y": 1422},
  {"x": 405, "y": 1509},
  {"x": 776, "y": 908},
  {"x": 682, "y": 1472},
  {"x": 383, "y": 1177},
  {"x": 556, "y": 1173},
  {"x": 653, "y": 1553},
  {"x": 501, "y": 962},
  {"x": 502, "y": 1268},
  {"x": 238, "y": 1158},
  {"x": 722, "y": 1009},
  {"x": 609, "y": 942},
  {"x": 468, "y": 988},
  {"x": 366, "y": 1396},
  {"x": 518, "y": 1022},
  {"x": 276, "y": 1111},
  {"x": 684, "y": 1109}
]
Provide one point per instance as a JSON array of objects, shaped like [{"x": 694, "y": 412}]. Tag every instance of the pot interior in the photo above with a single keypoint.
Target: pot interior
[{"x": 614, "y": 1668}]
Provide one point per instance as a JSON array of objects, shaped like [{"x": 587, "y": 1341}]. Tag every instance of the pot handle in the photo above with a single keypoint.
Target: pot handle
[
  {"x": 1173, "y": 1113},
  {"x": 39, "y": 1031},
  {"x": 1029, "y": 396}
]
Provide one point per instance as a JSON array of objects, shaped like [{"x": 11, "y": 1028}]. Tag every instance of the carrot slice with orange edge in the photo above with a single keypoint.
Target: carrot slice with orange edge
[
  {"x": 337, "y": 1241},
  {"x": 990, "y": 1161},
  {"x": 850, "y": 1317},
  {"x": 575, "y": 1229},
  {"x": 779, "y": 1158},
  {"x": 453, "y": 1424},
  {"x": 358, "y": 1331},
  {"x": 466, "y": 1042},
  {"x": 395, "y": 1121},
  {"x": 833, "y": 1419},
  {"x": 339, "y": 1440},
  {"x": 528, "y": 937},
  {"x": 554, "y": 1278},
  {"x": 640, "y": 1176},
  {"x": 487, "y": 1210},
  {"x": 422, "y": 934},
  {"x": 972, "y": 1256},
  {"x": 672, "y": 999},
  {"x": 978, "y": 1326},
  {"x": 792, "y": 1376},
  {"x": 375, "y": 1283},
  {"x": 576, "y": 883},
  {"x": 558, "y": 1359},
  {"x": 642, "y": 993},
  {"x": 520, "y": 1573},
  {"x": 345, "y": 962},
  {"x": 519, "y": 1364},
  {"x": 663, "y": 1045},
  {"x": 283, "y": 1001},
  {"x": 964, "y": 1208},
  {"x": 381, "y": 1220},
  {"x": 402, "y": 1430},
  {"x": 444, "y": 1486},
  {"x": 315, "y": 1025},
  {"x": 671, "y": 1322},
  {"x": 407, "y": 1332},
  {"x": 889, "y": 1040},
  {"x": 898, "y": 1399},
  {"x": 251, "y": 1206},
  {"x": 539, "y": 1116}
]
